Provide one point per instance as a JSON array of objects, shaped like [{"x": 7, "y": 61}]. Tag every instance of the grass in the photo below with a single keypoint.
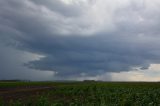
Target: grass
[{"x": 89, "y": 94}]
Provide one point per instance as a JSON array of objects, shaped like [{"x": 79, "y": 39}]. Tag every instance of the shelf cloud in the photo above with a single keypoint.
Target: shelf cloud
[{"x": 82, "y": 37}]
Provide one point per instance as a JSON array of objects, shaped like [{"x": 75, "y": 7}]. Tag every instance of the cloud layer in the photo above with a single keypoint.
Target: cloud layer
[{"x": 83, "y": 37}]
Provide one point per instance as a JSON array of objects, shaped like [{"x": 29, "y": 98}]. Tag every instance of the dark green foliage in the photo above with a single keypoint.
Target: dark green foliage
[{"x": 97, "y": 94}]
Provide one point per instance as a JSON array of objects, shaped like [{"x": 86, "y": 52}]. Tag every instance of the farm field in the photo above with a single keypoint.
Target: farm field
[{"x": 87, "y": 93}]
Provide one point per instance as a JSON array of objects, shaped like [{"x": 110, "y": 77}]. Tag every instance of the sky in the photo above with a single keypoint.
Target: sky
[{"x": 109, "y": 40}]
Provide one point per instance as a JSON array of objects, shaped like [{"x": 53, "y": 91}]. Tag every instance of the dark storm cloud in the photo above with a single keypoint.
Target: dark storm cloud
[
  {"x": 72, "y": 43},
  {"x": 93, "y": 55}
]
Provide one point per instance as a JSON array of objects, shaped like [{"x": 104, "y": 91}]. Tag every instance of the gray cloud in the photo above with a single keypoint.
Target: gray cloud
[
  {"x": 89, "y": 38},
  {"x": 11, "y": 65},
  {"x": 60, "y": 7}
]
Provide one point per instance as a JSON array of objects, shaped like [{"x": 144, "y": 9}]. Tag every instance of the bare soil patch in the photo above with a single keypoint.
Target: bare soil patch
[{"x": 15, "y": 93}]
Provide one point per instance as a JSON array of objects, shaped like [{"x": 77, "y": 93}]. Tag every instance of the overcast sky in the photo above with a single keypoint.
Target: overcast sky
[{"x": 113, "y": 40}]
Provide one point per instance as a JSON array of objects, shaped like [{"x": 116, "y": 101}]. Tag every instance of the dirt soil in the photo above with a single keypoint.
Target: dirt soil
[{"x": 15, "y": 93}]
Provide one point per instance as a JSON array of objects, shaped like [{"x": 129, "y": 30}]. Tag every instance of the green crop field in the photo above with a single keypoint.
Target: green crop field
[{"x": 79, "y": 93}]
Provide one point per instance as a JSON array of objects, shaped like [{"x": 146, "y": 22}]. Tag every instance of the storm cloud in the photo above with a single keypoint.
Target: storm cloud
[{"x": 82, "y": 37}]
